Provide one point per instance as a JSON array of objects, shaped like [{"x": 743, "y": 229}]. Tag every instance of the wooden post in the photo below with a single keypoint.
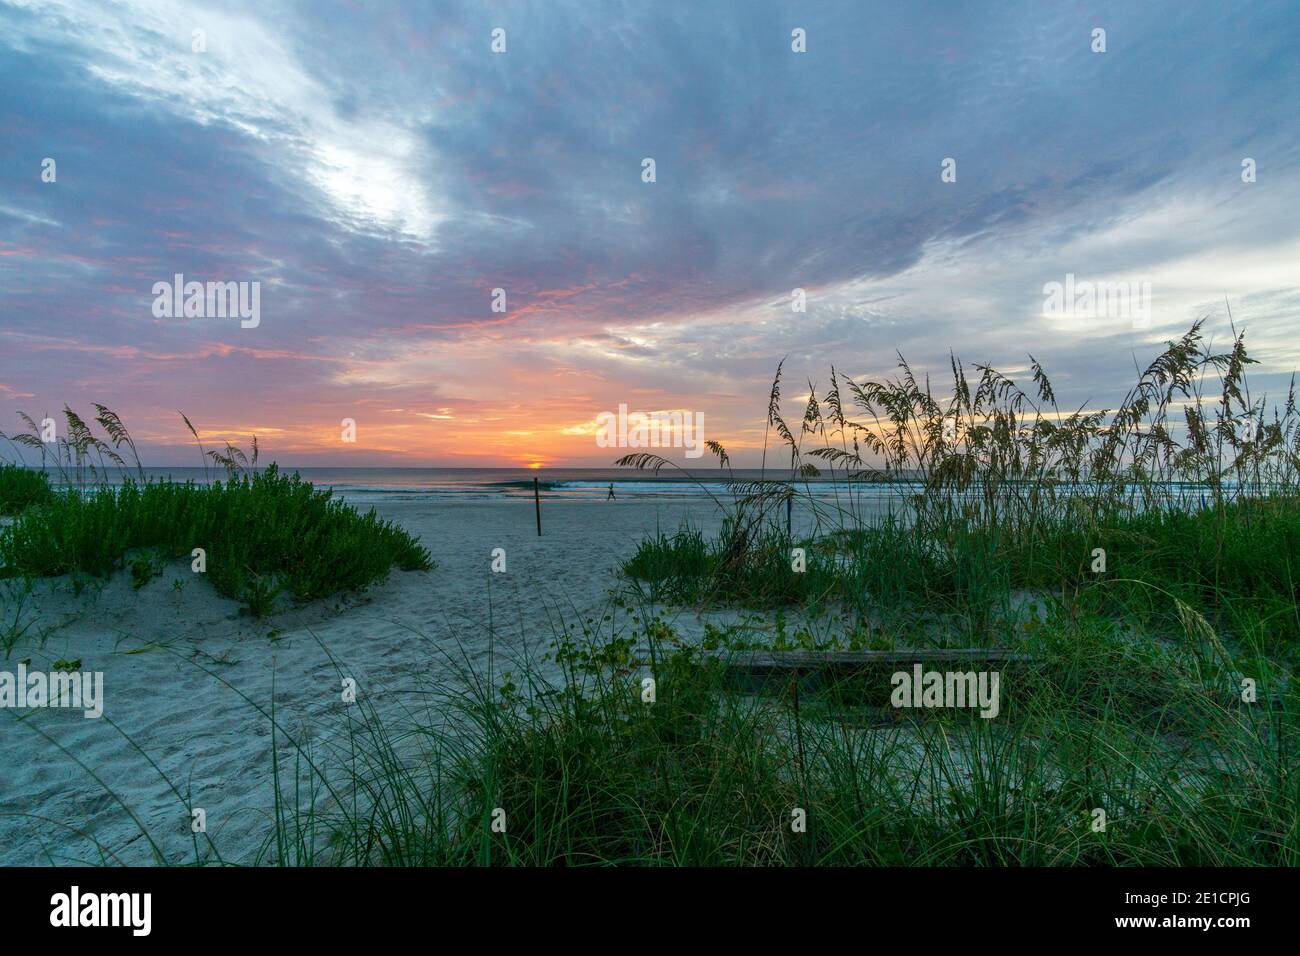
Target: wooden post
[{"x": 537, "y": 503}]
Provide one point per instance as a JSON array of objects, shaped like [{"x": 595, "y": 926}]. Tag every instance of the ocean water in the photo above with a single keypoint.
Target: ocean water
[
  {"x": 578, "y": 484},
  {"x": 374, "y": 484}
]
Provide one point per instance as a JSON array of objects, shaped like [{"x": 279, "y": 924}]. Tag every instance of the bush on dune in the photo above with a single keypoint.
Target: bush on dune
[
  {"x": 263, "y": 533},
  {"x": 20, "y": 488},
  {"x": 997, "y": 488}
]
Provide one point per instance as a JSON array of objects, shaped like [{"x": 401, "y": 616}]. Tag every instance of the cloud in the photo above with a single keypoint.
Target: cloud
[
  {"x": 381, "y": 172},
  {"x": 247, "y": 78}
]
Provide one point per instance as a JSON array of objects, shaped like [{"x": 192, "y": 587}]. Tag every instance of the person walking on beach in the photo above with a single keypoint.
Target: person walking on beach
[{"x": 610, "y": 496}]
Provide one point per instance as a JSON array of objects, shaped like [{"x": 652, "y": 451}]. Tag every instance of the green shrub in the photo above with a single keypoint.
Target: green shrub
[
  {"x": 20, "y": 488},
  {"x": 262, "y": 534}
]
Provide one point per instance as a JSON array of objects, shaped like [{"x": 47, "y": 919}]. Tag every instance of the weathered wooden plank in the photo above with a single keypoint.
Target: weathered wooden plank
[{"x": 850, "y": 660}]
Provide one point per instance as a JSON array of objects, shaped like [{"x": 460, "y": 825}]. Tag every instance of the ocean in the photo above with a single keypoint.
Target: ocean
[
  {"x": 375, "y": 484},
  {"x": 577, "y": 484}
]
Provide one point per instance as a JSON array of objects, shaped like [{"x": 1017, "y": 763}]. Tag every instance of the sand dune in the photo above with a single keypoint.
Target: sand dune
[{"x": 165, "y": 653}]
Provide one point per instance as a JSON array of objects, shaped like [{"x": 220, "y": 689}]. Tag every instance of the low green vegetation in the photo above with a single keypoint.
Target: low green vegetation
[
  {"x": 1146, "y": 568},
  {"x": 996, "y": 490},
  {"x": 20, "y": 488},
  {"x": 1143, "y": 583},
  {"x": 1107, "y": 752},
  {"x": 1150, "y": 719},
  {"x": 709, "y": 776},
  {"x": 1241, "y": 557},
  {"x": 261, "y": 533}
]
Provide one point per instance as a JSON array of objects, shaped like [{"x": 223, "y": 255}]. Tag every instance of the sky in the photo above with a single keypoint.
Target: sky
[{"x": 922, "y": 171}]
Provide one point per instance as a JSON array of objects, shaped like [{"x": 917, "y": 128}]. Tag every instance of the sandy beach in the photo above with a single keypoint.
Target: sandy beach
[
  {"x": 490, "y": 436},
  {"x": 165, "y": 653}
]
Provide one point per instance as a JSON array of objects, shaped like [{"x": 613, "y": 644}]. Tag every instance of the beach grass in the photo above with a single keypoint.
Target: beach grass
[
  {"x": 255, "y": 535},
  {"x": 587, "y": 771},
  {"x": 1150, "y": 717},
  {"x": 261, "y": 535},
  {"x": 994, "y": 489},
  {"x": 20, "y": 488},
  {"x": 1159, "y": 698},
  {"x": 1242, "y": 557}
]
